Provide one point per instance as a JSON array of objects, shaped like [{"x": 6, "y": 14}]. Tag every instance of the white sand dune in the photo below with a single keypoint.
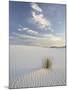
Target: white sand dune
[
  {"x": 25, "y": 62},
  {"x": 42, "y": 77}
]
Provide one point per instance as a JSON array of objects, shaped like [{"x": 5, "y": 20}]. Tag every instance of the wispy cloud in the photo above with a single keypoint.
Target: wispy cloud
[
  {"x": 36, "y": 7},
  {"x": 24, "y": 36},
  {"x": 45, "y": 40},
  {"x": 22, "y": 29},
  {"x": 32, "y": 32},
  {"x": 19, "y": 29},
  {"x": 39, "y": 18},
  {"x": 49, "y": 41},
  {"x": 25, "y": 29},
  {"x": 28, "y": 30}
]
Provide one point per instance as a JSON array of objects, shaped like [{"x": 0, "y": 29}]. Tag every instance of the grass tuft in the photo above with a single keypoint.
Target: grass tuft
[{"x": 46, "y": 64}]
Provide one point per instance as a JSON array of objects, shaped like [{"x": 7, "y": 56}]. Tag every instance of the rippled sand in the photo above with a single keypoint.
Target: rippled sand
[{"x": 42, "y": 77}]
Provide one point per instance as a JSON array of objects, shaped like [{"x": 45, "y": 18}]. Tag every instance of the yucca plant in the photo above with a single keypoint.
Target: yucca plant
[{"x": 46, "y": 63}]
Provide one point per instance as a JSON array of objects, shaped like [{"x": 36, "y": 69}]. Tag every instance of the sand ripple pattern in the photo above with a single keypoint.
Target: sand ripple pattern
[{"x": 39, "y": 78}]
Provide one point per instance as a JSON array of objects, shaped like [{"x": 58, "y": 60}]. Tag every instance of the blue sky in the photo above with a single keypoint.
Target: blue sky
[{"x": 37, "y": 24}]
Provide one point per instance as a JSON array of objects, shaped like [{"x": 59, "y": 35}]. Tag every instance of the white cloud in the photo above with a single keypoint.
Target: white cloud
[
  {"x": 19, "y": 29},
  {"x": 28, "y": 30},
  {"x": 25, "y": 29},
  {"x": 32, "y": 32},
  {"x": 22, "y": 29},
  {"x": 48, "y": 35},
  {"x": 36, "y": 7},
  {"x": 54, "y": 38},
  {"x": 50, "y": 41},
  {"x": 24, "y": 36},
  {"x": 61, "y": 34},
  {"x": 41, "y": 20},
  {"x": 46, "y": 40},
  {"x": 57, "y": 41}
]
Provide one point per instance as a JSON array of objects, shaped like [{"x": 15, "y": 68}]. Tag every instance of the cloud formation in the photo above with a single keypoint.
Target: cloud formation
[
  {"x": 36, "y": 29},
  {"x": 47, "y": 40},
  {"x": 36, "y": 7},
  {"x": 24, "y": 36},
  {"x": 39, "y": 18},
  {"x": 28, "y": 31},
  {"x": 32, "y": 32}
]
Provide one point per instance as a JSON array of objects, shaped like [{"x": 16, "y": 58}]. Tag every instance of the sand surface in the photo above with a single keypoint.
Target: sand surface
[
  {"x": 25, "y": 69},
  {"x": 39, "y": 78}
]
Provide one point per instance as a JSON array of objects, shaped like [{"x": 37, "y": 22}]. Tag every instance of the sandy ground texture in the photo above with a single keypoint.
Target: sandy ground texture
[{"x": 39, "y": 78}]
